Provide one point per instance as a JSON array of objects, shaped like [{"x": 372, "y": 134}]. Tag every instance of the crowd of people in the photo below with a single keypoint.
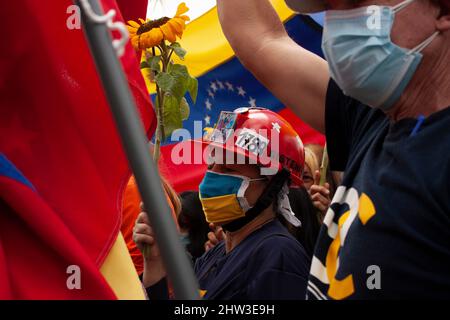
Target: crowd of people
[{"x": 382, "y": 99}]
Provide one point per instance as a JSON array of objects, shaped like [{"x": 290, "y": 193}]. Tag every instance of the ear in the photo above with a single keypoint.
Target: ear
[{"x": 443, "y": 22}]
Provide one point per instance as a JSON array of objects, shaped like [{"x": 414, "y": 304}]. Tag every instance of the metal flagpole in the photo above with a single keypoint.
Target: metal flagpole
[{"x": 134, "y": 140}]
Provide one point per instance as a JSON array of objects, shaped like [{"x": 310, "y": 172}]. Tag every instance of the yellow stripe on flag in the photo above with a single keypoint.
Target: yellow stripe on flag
[
  {"x": 118, "y": 270},
  {"x": 206, "y": 44}
]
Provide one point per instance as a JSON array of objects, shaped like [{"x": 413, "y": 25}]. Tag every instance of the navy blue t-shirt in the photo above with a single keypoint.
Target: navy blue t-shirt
[
  {"x": 387, "y": 233},
  {"x": 268, "y": 264}
]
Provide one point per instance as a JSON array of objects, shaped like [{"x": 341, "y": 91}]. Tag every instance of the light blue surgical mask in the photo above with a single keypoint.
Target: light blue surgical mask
[{"x": 363, "y": 60}]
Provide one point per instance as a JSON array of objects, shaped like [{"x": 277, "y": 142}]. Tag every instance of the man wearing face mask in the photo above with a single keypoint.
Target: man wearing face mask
[
  {"x": 256, "y": 156},
  {"x": 382, "y": 98}
]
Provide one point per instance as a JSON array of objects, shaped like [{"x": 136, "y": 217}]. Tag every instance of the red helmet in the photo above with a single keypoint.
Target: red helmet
[{"x": 262, "y": 136}]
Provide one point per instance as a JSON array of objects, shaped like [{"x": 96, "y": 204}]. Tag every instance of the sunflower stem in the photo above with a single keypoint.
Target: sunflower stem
[
  {"x": 164, "y": 55},
  {"x": 160, "y": 132},
  {"x": 156, "y": 151},
  {"x": 160, "y": 123},
  {"x": 165, "y": 65},
  {"x": 170, "y": 54}
]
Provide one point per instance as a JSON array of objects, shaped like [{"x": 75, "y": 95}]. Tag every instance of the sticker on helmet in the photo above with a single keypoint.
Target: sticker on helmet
[
  {"x": 241, "y": 110},
  {"x": 253, "y": 142},
  {"x": 224, "y": 128}
]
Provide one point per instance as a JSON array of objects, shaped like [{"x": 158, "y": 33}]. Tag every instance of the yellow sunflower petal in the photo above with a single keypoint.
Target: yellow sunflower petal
[
  {"x": 134, "y": 24},
  {"x": 176, "y": 26},
  {"x": 132, "y": 30},
  {"x": 185, "y": 18},
  {"x": 153, "y": 38},
  {"x": 142, "y": 21},
  {"x": 135, "y": 42},
  {"x": 145, "y": 42},
  {"x": 182, "y": 8},
  {"x": 168, "y": 32},
  {"x": 157, "y": 35}
]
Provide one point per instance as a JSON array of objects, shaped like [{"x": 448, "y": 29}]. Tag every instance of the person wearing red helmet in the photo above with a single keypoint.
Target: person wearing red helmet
[
  {"x": 255, "y": 156},
  {"x": 263, "y": 141}
]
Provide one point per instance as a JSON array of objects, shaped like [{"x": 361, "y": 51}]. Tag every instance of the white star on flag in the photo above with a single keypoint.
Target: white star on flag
[
  {"x": 211, "y": 94},
  {"x": 220, "y": 84},
  {"x": 207, "y": 120},
  {"x": 276, "y": 126},
  {"x": 208, "y": 104},
  {"x": 213, "y": 86},
  {"x": 229, "y": 86},
  {"x": 241, "y": 91},
  {"x": 252, "y": 102}
]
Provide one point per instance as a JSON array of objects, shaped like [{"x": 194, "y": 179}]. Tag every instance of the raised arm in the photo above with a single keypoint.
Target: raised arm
[{"x": 294, "y": 75}]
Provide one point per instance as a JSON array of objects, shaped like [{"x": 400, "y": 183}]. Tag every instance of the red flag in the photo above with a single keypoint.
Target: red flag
[
  {"x": 134, "y": 9},
  {"x": 308, "y": 134},
  {"x": 57, "y": 130},
  {"x": 185, "y": 176}
]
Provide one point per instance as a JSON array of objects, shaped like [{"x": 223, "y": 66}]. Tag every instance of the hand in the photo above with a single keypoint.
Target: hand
[
  {"x": 320, "y": 195},
  {"x": 214, "y": 237},
  {"x": 145, "y": 240}
]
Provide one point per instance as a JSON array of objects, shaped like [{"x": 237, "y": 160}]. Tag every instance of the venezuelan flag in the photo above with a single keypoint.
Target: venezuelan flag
[
  {"x": 62, "y": 168},
  {"x": 224, "y": 84}
]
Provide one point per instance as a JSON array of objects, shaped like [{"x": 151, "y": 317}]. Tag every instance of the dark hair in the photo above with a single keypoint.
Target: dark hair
[
  {"x": 444, "y": 9},
  {"x": 192, "y": 219},
  {"x": 305, "y": 211}
]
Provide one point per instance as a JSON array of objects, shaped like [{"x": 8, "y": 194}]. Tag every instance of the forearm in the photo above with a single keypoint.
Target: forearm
[
  {"x": 297, "y": 77},
  {"x": 249, "y": 24},
  {"x": 154, "y": 271},
  {"x": 158, "y": 291}
]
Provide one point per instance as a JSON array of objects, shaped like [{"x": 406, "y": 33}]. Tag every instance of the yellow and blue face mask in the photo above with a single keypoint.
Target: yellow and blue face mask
[{"x": 223, "y": 196}]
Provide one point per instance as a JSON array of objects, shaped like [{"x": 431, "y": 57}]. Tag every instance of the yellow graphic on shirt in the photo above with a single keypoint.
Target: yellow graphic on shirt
[
  {"x": 339, "y": 289},
  {"x": 361, "y": 207}
]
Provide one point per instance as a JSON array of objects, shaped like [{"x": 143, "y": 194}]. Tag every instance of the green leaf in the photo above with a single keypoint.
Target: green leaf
[
  {"x": 179, "y": 51},
  {"x": 190, "y": 82},
  {"x": 179, "y": 89},
  {"x": 165, "y": 81},
  {"x": 153, "y": 62},
  {"x": 172, "y": 115},
  {"x": 178, "y": 82},
  {"x": 145, "y": 65},
  {"x": 178, "y": 69},
  {"x": 192, "y": 87},
  {"x": 184, "y": 109},
  {"x": 181, "y": 76}
]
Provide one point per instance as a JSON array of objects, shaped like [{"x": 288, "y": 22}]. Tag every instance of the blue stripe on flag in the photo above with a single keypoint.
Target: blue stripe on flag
[{"x": 7, "y": 169}]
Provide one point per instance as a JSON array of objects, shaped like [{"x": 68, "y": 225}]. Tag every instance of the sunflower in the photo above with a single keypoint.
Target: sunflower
[{"x": 150, "y": 33}]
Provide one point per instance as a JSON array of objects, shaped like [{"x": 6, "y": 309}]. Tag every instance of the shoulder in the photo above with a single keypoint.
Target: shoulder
[
  {"x": 280, "y": 245},
  {"x": 212, "y": 254},
  {"x": 274, "y": 237},
  {"x": 279, "y": 262},
  {"x": 280, "y": 252},
  {"x": 340, "y": 107},
  {"x": 349, "y": 125}
]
